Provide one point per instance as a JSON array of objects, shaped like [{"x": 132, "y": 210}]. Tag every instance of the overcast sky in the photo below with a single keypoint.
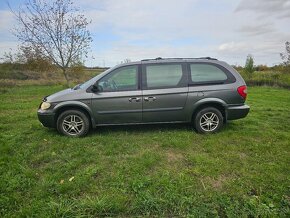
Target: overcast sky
[{"x": 137, "y": 29}]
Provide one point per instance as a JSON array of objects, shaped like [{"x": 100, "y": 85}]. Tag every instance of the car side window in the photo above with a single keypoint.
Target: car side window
[
  {"x": 164, "y": 76},
  {"x": 206, "y": 73},
  {"x": 121, "y": 79}
]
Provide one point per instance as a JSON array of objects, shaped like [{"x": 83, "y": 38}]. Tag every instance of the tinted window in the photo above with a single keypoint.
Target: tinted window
[
  {"x": 164, "y": 75},
  {"x": 206, "y": 73},
  {"x": 121, "y": 79}
]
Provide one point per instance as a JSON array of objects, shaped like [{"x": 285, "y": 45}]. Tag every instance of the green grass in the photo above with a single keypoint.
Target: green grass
[{"x": 156, "y": 170}]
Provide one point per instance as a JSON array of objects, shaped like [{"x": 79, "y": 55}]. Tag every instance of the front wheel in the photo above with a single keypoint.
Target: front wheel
[
  {"x": 208, "y": 120},
  {"x": 73, "y": 123}
]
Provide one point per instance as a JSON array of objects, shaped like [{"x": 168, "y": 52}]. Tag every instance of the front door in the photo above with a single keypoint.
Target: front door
[
  {"x": 165, "y": 89},
  {"x": 119, "y": 99}
]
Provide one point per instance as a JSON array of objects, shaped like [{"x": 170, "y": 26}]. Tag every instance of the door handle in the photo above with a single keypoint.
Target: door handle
[
  {"x": 134, "y": 99},
  {"x": 151, "y": 98}
]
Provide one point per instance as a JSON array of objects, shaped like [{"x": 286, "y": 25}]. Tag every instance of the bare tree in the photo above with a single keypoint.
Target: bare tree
[
  {"x": 286, "y": 56},
  {"x": 53, "y": 30}
]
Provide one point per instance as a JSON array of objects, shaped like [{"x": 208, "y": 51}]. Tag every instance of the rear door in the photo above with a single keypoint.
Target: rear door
[
  {"x": 119, "y": 99},
  {"x": 165, "y": 89}
]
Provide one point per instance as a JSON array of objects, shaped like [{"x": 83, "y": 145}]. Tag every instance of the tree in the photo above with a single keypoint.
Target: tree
[
  {"x": 286, "y": 56},
  {"x": 249, "y": 66},
  {"x": 53, "y": 30}
]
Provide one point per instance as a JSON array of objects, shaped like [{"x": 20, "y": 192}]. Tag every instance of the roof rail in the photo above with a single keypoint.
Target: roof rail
[
  {"x": 153, "y": 59},
  {"x": 159, "y": 58},
  {"x": 208, "y": 58}
]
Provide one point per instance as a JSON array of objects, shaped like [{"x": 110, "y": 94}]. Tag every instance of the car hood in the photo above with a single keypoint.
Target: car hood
[{"x": 64, "y": 95}]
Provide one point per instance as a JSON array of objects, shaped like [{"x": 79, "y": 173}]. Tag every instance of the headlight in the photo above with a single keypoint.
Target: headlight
[{"x": 45, "y": 105}]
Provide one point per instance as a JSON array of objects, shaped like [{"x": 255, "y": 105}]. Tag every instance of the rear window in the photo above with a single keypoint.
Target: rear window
[
  {"x": 206, "y": 73},
  {"x": 164, "y": 75}
]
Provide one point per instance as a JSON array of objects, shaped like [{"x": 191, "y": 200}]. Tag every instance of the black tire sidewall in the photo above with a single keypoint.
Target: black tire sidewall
[
  {"x": 84, "y": 117},
  {"x": 204, "y": 111}
]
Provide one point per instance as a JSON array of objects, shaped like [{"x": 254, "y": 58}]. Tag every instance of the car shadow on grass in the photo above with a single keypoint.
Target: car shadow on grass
[
  {"x": 143, "y": 128},
  {"x": 168, "y": 127},
  {"x": 148, "y": 128}
]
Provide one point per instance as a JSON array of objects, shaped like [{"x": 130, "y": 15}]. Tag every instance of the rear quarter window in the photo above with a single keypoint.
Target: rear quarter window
[{"x": 206, "y": 73}]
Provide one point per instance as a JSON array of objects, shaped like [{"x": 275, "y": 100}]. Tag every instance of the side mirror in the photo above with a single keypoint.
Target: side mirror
[{"x": 96, "y": 88}]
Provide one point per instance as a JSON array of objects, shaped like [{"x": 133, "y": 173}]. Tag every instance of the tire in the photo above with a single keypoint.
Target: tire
[
  {"x": 73, "y": 123},
  {"x": 208, "y": 120}
]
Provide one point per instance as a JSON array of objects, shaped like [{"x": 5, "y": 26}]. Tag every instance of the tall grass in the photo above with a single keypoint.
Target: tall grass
[
  {"x": 267, "y": 78},
  {"x": 14, "y": 75}
]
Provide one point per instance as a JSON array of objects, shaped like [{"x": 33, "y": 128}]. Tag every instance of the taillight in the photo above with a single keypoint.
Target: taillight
[{"x": 242, "y": 90}]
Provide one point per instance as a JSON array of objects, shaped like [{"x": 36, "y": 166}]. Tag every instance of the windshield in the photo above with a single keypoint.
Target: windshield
[{"x": 91, "y": 81}]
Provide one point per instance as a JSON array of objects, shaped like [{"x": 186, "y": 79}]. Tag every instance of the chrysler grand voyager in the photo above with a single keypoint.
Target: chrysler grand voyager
[{"x": 202, "y": 91}]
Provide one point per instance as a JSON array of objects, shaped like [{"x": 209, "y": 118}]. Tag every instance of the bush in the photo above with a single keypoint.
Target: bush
[{"x": 261, "y": 67}]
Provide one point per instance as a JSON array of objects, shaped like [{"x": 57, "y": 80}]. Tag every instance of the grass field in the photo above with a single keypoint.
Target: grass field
[{"x": 160, "y": 170}]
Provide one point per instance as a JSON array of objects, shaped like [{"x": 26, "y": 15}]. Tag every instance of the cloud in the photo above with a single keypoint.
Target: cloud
[
  {"x": 257, "y": 29},
  {"x": 189, "y": 28},
  {"x": 233, "y": 47},
  {"x": 279, "y": 8},
  {"x": 138, "y": 20},
  {"x": 249, "y": 47}
]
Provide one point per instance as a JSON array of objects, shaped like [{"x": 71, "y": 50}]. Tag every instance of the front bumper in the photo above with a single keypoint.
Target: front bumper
[
  {"x": 237, "y": 112},
  {"x": 47, "y": 118}
]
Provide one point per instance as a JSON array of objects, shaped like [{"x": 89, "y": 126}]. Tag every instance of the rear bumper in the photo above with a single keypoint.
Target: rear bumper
[
  {"x": 237, "y": 112},
  {"x": 47, "y": 118}
]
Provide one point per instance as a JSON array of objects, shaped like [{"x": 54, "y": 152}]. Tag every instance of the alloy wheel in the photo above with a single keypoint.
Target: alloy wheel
[
  {"x": 73, "y": 124},
  {"x": 209, "y": 122}
]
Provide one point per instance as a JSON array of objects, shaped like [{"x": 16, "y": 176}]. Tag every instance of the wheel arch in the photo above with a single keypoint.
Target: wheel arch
[
  {"x": 210, "y": 102},
  {"x": 74, "y": 106}
]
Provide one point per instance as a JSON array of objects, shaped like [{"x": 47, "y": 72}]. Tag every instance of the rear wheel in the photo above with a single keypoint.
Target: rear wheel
[
  {"x": 208, "y": 120},
  {"x": 73, "y": 123}
]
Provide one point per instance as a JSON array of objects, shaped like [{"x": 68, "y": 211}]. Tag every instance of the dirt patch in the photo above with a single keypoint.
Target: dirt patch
[
  {"x": 217, "y": 183},
  {"x": 140, "y": 152},
  {"x": 173, "y": 156}
]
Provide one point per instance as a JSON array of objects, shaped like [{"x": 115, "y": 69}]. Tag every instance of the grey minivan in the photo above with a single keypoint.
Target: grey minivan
[{"x": 202, "y": 91}]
